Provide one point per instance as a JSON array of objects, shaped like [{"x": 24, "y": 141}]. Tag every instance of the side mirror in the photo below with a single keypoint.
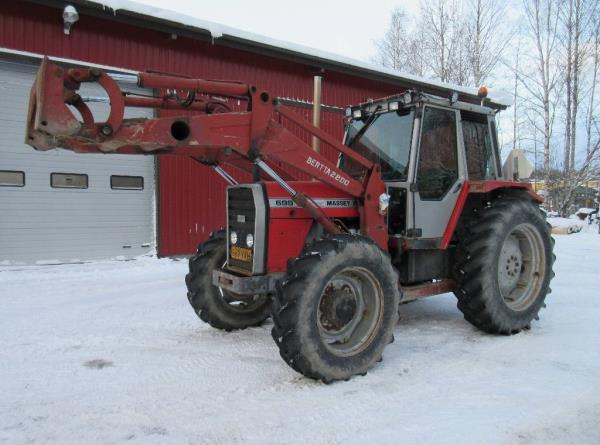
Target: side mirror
[{"x": 517, "y": 166}]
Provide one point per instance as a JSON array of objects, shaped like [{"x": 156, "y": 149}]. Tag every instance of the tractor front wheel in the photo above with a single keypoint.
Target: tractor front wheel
[
  {"x": 218, "y": 307},
  {"x": 336, "y": 309}
]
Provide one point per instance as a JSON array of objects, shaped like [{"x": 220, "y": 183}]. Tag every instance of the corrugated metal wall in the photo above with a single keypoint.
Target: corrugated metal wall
[
  {"x": 191, "y": 197},
  {"x": 42, "y": 224}
]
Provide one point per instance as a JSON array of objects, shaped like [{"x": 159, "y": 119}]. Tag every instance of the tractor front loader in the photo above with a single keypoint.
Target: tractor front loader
[{"x": 415, "y": 206}]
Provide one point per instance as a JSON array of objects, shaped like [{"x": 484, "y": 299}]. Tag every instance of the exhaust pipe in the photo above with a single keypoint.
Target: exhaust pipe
[{"x": 316, "y": 143}]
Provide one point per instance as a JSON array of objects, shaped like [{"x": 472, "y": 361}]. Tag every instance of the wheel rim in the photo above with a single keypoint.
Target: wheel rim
[
  {"x": 521, "y": 267},
  {"x": 241, "y": 303},
  {"x": 350, "y": 311}
]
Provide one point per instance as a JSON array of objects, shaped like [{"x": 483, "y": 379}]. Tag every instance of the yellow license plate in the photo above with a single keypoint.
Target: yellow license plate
[{"x": 240, "y": 253}]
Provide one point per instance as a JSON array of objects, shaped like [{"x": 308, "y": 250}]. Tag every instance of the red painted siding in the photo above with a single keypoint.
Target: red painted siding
[{"x": 191, "y": 197}]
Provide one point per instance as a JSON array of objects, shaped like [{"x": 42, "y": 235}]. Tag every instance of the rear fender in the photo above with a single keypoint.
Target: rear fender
[{"x": 481, "y": 188}]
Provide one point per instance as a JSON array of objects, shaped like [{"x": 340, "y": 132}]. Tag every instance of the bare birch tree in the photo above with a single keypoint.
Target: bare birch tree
[
  {"x": 542, "y": 82},
  {"x": 516, "y": 67},
  {"x": 449, "y": 41},
  {"x": 595, "y": 64},
  {"x": 391, "y": 50},
  {"x": 445, "y": 40},
  {"x": 577, "y": 61},
  {"x": 486, "y": 38},
  {"x": 578, "y": 23},
  {"x": 403, "y": 46},
  {"x": 568, "y": 85}
]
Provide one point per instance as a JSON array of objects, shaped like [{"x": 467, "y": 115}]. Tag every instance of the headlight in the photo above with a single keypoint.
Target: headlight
[
  {"x": 249, "y": 240},
  {"x": 357, "y": 114},
  {"x": 233, "y": 237},
  {"x": 394, "y": 106}
]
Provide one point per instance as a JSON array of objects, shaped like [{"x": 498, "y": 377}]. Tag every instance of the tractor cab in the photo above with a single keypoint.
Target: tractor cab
[{"x": 427, "y": 147}]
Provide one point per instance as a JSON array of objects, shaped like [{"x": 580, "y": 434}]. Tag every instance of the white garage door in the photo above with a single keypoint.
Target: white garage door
[{"x": 59, "y": 206}]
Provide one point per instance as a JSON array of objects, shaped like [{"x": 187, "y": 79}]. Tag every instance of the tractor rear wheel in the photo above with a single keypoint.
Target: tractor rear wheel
[
  {"x": 336, "y": 309},
  {"x": 218, "y": 307},
  {"x": 504, "y": 264}
]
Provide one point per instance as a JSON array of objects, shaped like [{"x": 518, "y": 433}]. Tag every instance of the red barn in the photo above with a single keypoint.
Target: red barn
[{"x": 65, "y": 207}]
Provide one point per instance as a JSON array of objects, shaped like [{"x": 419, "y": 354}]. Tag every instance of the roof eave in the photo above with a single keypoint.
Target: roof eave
[{"x": 97, "y": 9}]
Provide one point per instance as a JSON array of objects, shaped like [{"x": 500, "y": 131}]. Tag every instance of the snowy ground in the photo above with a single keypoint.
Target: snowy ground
[{"x": 111, "y": 353}]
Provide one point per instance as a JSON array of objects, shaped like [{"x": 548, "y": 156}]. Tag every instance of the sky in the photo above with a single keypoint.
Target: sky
[{"x": 347, "y": 27}]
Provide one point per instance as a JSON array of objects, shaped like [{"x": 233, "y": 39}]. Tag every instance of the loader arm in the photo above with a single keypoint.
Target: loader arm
[{"x": 213, "y": 134}]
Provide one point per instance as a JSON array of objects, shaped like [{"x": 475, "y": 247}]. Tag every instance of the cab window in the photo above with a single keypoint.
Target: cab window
[
  {"x": 478, "y": 146},
  {"x": 438, "y": 159},
  {"x": 386, "y": 142}
]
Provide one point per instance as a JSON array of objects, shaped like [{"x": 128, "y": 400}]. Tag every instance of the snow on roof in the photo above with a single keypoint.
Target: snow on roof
[{"x": 218, "y": 31}]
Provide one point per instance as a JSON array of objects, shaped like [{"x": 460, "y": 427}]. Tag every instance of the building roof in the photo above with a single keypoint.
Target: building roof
[{"x": 185, "y": 25}]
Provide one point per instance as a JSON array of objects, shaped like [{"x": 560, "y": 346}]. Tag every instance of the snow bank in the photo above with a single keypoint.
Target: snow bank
[
  {"x": 586, "y": 210},
  {"x": 565, "y": 226}
]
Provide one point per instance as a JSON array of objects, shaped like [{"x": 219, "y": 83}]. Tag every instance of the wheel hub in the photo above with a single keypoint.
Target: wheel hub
[
  {"x": 511, "y": 260},
  {"x": 338, "y": 307},
  {"x": 349, "y": 311},
  {"x": 521, "y": 267}
]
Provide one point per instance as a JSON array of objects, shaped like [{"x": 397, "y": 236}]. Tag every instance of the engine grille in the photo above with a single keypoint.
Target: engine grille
[{"x": 246, "y": 214}]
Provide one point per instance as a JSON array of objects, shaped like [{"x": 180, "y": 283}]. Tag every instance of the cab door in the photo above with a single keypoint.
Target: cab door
[{"x": 439, "y": 172}]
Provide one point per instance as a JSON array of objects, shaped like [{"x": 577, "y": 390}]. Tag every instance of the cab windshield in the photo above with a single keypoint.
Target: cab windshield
[{"x": 386, "y": 141}]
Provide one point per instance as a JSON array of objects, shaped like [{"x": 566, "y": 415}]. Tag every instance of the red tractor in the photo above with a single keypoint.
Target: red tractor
[{"x": 415, "y": 206}]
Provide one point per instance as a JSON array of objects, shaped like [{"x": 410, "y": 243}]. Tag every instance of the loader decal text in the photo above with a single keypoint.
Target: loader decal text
[
  {"x": 327, "y": 171},
  {"x": 331, "y": 203}
]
